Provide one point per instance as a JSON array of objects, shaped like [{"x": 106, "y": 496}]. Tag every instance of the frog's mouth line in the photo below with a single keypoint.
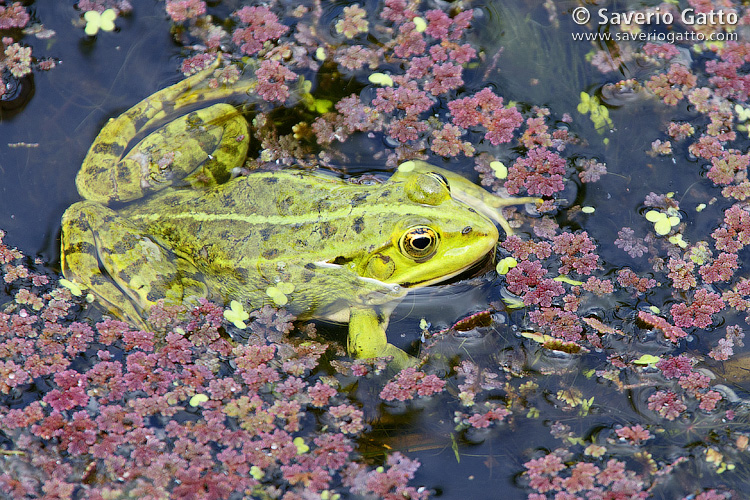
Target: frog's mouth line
[{"x": 479, "y": 267}]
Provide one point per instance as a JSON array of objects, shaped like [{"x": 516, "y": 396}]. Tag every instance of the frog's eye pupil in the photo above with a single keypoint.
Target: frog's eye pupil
[{"x": 419, "y": 243}]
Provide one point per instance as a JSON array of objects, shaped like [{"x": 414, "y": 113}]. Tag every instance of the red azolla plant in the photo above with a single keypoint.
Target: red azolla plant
[
  {"x": 672, "y": 86},
  {"x": 667, "y": 404},
  {"x": 388, "y": 484},
  {"x": 410, "y": 383},
  {"x": 550, "y": 478},
  {"x": 486, "y": 109},
  {"x": 182, "y": 10},
  {"x": 629, "y": 279},
  {"x": 13, "y": 16},
  {"x": 528, "y": 279},
  {"x": 433, "y": 68},
  {"x": 681, "y": 272},
  {"x": 259, "y": 25},
  {"x": 558, "y": 322},
  {"x": 698, "y": 312},
  {"x": 721, "y": 269},
  {"x": 483, "y": 420},
  {"x": 634, "y": 434},
  {"x": 673, "y": 333},
  {"x": 522, "y": 249},
  {"x": 577, "y": 252},
  {"x": 725, "y": 168},
  {"x": 727, "y": 77},
  {"x": 734, "y": 234},
  {"x": 231, "y": 417},
  {"x": 120, "y": 6},
  {"x": 725, "y": 348},
  {"x": 631, "y": 244},
  {"x": 540, "y": 172}
]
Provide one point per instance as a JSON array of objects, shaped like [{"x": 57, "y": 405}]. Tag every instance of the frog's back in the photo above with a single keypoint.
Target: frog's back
[{"x": 265, "y": 215}]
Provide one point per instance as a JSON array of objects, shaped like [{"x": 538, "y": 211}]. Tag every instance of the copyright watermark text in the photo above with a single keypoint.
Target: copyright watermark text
[{"x": 689, "y": 17}]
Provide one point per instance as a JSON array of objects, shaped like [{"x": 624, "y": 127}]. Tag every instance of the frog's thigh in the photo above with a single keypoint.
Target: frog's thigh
[
  {"x": 367, "y": 338},
  {"x": 127, "y": 271}
]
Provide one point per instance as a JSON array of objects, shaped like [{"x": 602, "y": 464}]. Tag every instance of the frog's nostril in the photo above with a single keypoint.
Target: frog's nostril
[{"x": 466, "y": 230}]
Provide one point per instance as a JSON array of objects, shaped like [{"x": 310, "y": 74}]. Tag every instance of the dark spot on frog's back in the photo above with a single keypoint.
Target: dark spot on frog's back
[
  {"x": 359, "y": 225},
  {"x": 123, "y": 174},
  {"x": 271, "y": 180},
  {"x": 270, "y": 253},
  {"x": 265, "y": 233},
  {"x": 194, "y": 119},
  {"x": 358, "y": 200},
  {"x": 327, "y": 230},
  {"x": 109, "y": 148},
  {"x": 322, "y": 206}
]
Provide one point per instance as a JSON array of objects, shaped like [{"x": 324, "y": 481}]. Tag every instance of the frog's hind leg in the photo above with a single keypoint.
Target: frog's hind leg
[
  {"x": 199, "y": 149},
  {"x": 128, "y": 272},
  {"x": 105, "y": 177}
]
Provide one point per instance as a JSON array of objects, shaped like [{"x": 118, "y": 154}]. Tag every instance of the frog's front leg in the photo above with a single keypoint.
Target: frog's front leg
[
  {"x": 466, "y": 191},
  {"x": 126, "y": 270},
  {"x": 367, "y": 338}
]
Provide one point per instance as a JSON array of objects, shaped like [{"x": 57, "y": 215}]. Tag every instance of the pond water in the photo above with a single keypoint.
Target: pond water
[{"x": 608, "y": 363}]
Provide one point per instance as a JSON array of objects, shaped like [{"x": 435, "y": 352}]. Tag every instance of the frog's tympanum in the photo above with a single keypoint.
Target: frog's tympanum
[{"x": 164, "y": 220}]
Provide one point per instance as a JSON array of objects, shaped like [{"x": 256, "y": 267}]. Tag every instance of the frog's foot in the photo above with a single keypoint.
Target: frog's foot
[
  {"x": 367, "y": 338},
  {"x": 128, "y": 272},
  {"x": 466, "y": 191}
]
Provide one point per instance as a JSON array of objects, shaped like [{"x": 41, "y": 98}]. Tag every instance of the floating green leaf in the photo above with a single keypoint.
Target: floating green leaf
[
  {"x": 506, "y": 265},
  {"x": 647, "y": 359},
  {"x": 501, "y": 171},
  {"x": 381, "y": 79},
  {"x": 96, "y": 21},
  {"x": 198, "y": 399},
  {"x": 236, "y": 314}
]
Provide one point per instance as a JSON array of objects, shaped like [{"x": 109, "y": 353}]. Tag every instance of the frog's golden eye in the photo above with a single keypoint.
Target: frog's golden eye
[{"x": 419, "y": 243}]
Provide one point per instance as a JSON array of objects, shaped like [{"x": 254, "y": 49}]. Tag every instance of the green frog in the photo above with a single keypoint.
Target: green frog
[{"x": 165, "y": 219}]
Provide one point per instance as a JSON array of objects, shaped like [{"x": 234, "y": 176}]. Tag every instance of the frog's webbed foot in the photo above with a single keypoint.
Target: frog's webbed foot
[
  {"x": 466, "y": 191},
  {"x": 367, "y": 338},
  {"x": 127, "y": 272}
]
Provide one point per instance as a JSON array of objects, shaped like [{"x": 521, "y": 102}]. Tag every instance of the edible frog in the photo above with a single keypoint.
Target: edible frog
[{"x": 165, "y": 220}]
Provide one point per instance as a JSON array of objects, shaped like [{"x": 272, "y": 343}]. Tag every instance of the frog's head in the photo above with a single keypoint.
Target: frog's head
[{"x": 432, "y": 237}]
